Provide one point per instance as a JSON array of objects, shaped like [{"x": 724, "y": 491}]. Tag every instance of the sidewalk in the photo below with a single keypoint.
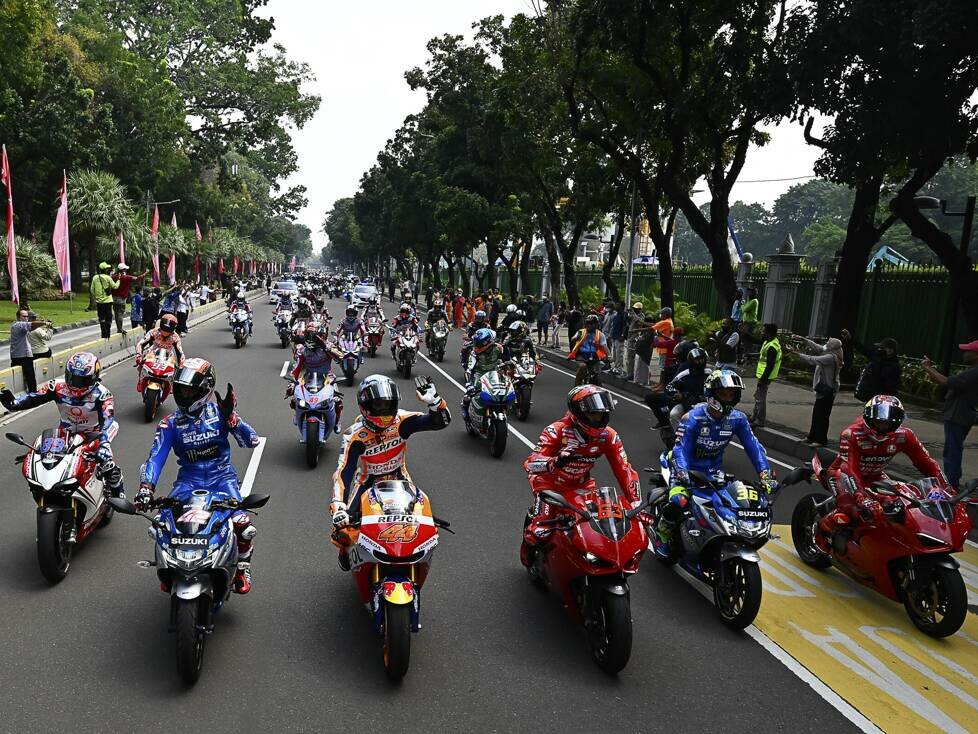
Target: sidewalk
[{"x": 789, "y": 411}]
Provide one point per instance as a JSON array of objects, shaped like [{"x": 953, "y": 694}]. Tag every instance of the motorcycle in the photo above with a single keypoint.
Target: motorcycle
[
  {"x": 488, "y": 410},
  {"x": 591, "y": 551},
  {"x": 717, "y": 541},
  {"x": 390, "y": 554},
  {"x": 405, "y": 350},
  {"x": 240, "y": 326},
  {"x": 375, "y": 334},
  {"x": 155, "y": 381},
  {"x": 437, "y": 340},
  {"x": 352, "y": 349},
  {"x": 524, "y": 374},
  {"x": 903, "y": 551},
  {"x": 313, "y": 411},
  {"x": 62, "y": 475},
  {"x": 196, "y": 558},
  {"x": 281, "y": 321}
]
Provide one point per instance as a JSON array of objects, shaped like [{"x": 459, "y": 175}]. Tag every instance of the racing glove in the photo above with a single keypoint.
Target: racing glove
[
  {"x": 143, "y": 497},
  {"x": 341, "y": 518},
  {"x": 769, "y": 482},
  {"x": 563, "y": 459},
  {"x": 427, "y": 392},
  {"x": 227, "y": 404},
  {"x": 7, "y": 399}
]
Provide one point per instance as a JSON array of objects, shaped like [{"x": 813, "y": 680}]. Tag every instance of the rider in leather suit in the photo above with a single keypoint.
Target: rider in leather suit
[
  {"x": 164, "y": 335},
  {"x": 703, "y": 435},
  {"x": 405, "y": 318},
  {"x": 685, "y": 389},
  {"x": 517, "y": 342},
  {"x": 86, "y": 406},
  {"x": 375, "y": 447},
  {"x": 198, "y": 434},
  {"x": 351, "y": 325},
  {"x": 566, "y": 453},
  {"x": 486, "y": 356}
]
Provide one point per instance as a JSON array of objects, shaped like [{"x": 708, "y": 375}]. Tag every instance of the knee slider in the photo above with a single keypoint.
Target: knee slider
[{"x": 249, "y": 532}]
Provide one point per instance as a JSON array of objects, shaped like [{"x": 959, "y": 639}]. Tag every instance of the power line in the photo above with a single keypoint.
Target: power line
[{"x": 775, "y": 180}]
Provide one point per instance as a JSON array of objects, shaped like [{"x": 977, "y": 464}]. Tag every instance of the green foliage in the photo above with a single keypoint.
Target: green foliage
[{"x": 36, "y": 270}]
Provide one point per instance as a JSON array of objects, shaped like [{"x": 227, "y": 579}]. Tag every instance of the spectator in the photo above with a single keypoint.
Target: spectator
[
  {"x": 670, "y": 364},
  {"x": 768, "y": 369},
  {"x": 493, "y": 311},
  {"x": 663, "y": 327},
  {"x": 737, "y": 310},
  {"x": 634, "y": 322},
  {"x": 573, "y": 320},
  {"x": 727, "y": 339},
  {"x": 204, "y": 295},
  {"x": 39, "y": 339},
  {"x": 390, "y": 289},
  {"x": 881, "y": 375},
  {"x": 101, "y": 290},
  {"x": 184, "y": 306},
  {"x": 268, "y": 285},
  {"x": 825, "y": 384},
  {"x": 959, "y": 408},
  {"x": 544, "y": 312},
  {"x": 748, "y": 313},
  {"x": 643, "y": 352},
  {"x": 21, "y": 354},
  {"x": 170, "y": 297},
  {"x": 555, "y": 323},
  {"x": 151, "y": 309},
  {"x": 136, "y": 306},
  {"x": 120, "y": 296},
  {"x": 616, "y": 333},
  {"x": 607, "y": 317}
]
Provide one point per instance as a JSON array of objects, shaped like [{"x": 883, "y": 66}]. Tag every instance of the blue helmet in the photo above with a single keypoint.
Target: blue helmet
[{"x": 483, "y": 338}]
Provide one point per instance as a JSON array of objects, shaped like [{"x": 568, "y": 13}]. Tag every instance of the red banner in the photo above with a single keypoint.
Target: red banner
[
  {"x": 11, "y": 242},
  {"x": 154, "y": 232},
  {"x": 62, "y": 252}
]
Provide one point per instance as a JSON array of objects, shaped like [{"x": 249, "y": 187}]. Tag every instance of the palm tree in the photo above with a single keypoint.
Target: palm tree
[
  {"x": 98, "y": 206},
  {"x": 36, "y": 270}
]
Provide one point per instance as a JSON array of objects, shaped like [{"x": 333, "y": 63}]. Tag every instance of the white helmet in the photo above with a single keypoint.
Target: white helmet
[{"x": 511, "y": 308}]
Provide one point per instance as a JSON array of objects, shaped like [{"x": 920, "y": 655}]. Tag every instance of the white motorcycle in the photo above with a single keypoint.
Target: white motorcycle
[{"x": 405, "y": 350}]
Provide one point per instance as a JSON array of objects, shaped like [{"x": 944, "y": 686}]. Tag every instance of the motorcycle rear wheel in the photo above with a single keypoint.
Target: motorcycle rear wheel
[
  {"x": 940, "y": 609},
  {"x": 739, "y": 600},
  {"x": 349, "y": 377},
  {"x": 53, "y": 549},
  {"x": 804, "y": 520},
  {"x": 397, "y": 640},
  {"x": 497, "y": 434},
  {"x": 609, "y": 633},
  {"x": 190, "y": 640},
  {"x": 372, "y": 351}
]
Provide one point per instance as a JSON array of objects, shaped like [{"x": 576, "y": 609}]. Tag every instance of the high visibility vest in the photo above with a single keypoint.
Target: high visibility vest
[
  {"x": 762, "y": 359},
  {"x": 599, "y": 351}
]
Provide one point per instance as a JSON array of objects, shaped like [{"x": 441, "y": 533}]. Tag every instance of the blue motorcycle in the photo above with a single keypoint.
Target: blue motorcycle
[
  {"x": 726, "y": 523},
  {"x": 196, "y": 560}
]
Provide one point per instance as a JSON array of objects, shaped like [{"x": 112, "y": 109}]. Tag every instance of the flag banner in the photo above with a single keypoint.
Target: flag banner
[
  {"x": 171, "y": 269},
  {"x": 62, "y": 251},
  {"x": 196, "y": 268},
  {"x": 197, "y": 231},
  {"x": 154, "y": 232},
  {"x": 292, "y": 264},
  {"x": 220, "y": 266},
  {"x": 122, "y": 249},
  {"x": 173, "y": 219},
  {"x": 733, "y": 244},
  {"x": 234, "y": 265},
  {"x": 11, "y": 242}
]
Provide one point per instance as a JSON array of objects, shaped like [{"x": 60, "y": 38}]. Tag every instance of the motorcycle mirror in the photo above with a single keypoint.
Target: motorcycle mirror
[
  {"x": 17, "y": 439},
  {"x": 123, "y": 507},
  {"x": 796, "y": 475},
  {"x": 967, "y": 491},
  {"x": 553, "y": 498},
  {"x": 702, "y": 478},
  {"x": 254, "y": 501}
]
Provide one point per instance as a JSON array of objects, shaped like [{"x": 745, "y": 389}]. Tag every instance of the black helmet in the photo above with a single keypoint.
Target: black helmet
[
  {"x": 883, "y": 415},
  {"x": 696, "y": 360},
  {"x": 591, "y": 322},
  {"x": 193, "y": 385},
  {"x": 168, "y": 323},
  {"x": 723, "y": 389},
  {"x": 351, "y": 312},
  {"x": 378, "y": 399}
]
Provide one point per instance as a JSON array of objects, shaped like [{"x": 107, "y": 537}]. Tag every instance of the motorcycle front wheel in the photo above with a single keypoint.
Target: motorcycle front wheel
[
  {"x": 312, "y": 445},
  {"x": 149, "y": 405},
  {"x": 939, "y": 608},
  {"x": 285, "y": 341},
  {"x": 397, "y": 640},
  {"x": 609, "y": 632},
  {"x": 497, "y": 434},
  {"x": 523, "y": 403},
  {"x": 738, "y": 598},
  {"x": 804, "y": 525},
  {"x": 406, "y": 369},
  {"x": 53, "y": 548},
  {"x": 190, "y": 640},
  {"x": 237, "y": 341}
]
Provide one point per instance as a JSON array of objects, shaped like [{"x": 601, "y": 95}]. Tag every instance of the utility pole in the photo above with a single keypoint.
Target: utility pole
[{"x": 631, "y": 249}]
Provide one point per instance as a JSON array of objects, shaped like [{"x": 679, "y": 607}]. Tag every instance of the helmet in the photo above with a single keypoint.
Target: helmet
[
  {"x": 511, "y": 308},
  {"x": 723, "y": 389},
  {"x": 883, "y": 415},
  {"x": 480, "y": 316},
  {"x": 405, "y": 308},
  {"x": 372, "y": 301},
  {"x": 82, "y": 371},
  {"x": 590, "y": 407},
  {"x": 482, "y": 340},
  {"x": 696, "y": 360},
  {"x": 351, "y": 312},
  {"x": 518, "y": 330},
  {"x": 168, "y": 323},
  {"x": 193, "y": 385},
  {"x": 591, "y": 322},
  {"x": 638, "y": 306},
  {"x": 378, "y": 398},
  {"x": 665, "y": 312}
]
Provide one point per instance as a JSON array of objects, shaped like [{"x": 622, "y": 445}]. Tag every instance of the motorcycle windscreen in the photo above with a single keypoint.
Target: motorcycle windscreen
[
  {"x": 394, "y": 496},
  {"x": 313, "y": 381},
  {"x": 607, "y": 508},
  {"x": 193, "y": 517}
]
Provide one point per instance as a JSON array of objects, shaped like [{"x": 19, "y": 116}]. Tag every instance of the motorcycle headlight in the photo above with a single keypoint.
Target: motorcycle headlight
[
  {"x": 190, "y": 556},
  {"x": 302, "y": 404}
]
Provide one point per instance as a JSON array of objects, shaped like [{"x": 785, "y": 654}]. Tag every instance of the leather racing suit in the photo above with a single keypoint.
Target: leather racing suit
[
  {"x": 157, "y": 338},
  {"x": 351, "y": 326}
]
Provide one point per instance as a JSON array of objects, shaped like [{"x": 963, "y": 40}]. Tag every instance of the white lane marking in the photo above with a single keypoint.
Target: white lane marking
[
  {"x": 452, "y": 380},
  {"x": 249, "y": 478},
  {"x": 784, "y": 657},
  {"x": 971, "y": 543},
  {"x": 646, "y": 407}
]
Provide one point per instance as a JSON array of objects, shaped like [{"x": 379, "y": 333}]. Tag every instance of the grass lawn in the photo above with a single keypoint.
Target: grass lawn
[{"x": 57, "y": 311}]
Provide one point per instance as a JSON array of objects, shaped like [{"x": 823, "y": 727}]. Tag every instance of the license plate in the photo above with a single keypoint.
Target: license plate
[{"x": 190, "y": 541}]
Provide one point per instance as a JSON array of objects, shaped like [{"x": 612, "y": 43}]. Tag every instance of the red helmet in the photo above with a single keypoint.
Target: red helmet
[
  {"x": 590, "y": 408},
  {"x": 883, "y": 415},
  {"x": 168, "y": 323}
]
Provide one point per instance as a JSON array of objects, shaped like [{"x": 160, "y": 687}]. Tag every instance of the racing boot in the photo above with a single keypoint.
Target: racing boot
[
  {"x": 242, "y": 579},
  {"x": 661, "y": 538}
]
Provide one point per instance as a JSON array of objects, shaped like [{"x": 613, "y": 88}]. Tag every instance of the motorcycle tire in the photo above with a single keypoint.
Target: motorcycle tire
[
  {"x": 372, "y": 351},
  {"x": 107, "y": 517},
  {"x": 237, "y": 342},
  {"x": 497, "y": 434},
  {"x": 190, "y": 640},
  {"x": 285, "y": 341},
  {"x": 149, "y": 405},
  {"x": 53, "y": 549},
  {"x": 523, "y": 403},
  {"x": 312, "y": 445},
  {"x": 349, "y": 377},
  {"x": 406, "y": 369},
  {"x": 804, "y": 519},
  {"x": 740, "y": 599},
  {"x": 946, "y": 617},
  {"x": 397, "y": 640},
  {"x": 609, "y": 632},
  {"x": 441, "y": 355}
]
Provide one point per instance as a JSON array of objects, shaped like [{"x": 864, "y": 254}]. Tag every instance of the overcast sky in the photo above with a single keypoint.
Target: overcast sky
[{"x": 359, "y": 51}]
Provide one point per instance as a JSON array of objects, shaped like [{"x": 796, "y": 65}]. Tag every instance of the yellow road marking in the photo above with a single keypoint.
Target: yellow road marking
[{"x": 865, "y": 648}]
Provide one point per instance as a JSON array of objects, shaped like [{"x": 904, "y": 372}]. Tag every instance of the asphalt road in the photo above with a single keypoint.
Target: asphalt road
[{"x": 298, "y": 653}]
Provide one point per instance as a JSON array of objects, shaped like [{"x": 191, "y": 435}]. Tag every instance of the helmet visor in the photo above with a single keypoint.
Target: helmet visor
[
  {"x": 598, "y": 401},
  {"x": 186, "y": 395},
  {"x": 79, "y": 382}
]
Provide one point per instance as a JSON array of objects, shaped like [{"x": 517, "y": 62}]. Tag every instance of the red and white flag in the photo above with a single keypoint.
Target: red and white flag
[
  {"x": 197, "y": 231},
  {"x": 122, "y": 249},
  {"x": 154, "y": 232},
  {"x": 173, "y": 219},
  {"x": 220, "y": 266},
  {"x": 11, "y": 243},
  {"x": 197, "y": 268},
  {"x": 234, "y": 265},
  {"x": 62, "y": 251},
  {"x": 292, "y": 264},
  {"x": 171, "y": 269}
]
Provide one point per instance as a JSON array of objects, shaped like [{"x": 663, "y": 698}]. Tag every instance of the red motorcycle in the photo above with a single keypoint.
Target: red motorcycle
[
  {"x": 586, "y": 561},
  {"x": 156, "y": 368},
  {"x": 901, "y": 547},
  {"x": 375, "y": 334}
]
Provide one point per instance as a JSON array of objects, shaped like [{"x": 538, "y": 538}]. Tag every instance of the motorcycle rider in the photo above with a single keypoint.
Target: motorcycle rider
[
  {"x": 351, "y": 325},
  {"x": 165, "y": 335},
  {"x": 588, "y": 344},
  {"x": 373, "y": 309},
  {"x": 85, "y": 405},
  {"x": 479, "y": 321},
  {"x": 198, "y": 434},
  {"x": 682, "y": 392},
  {"x": 435, "y": 314},
  {"x": 866, "y": 448},
  {"x": 375, "y": 447},
  {"x": 566, "y": 452},
  {"x": 405, "y": 318},
  {"x": 284, "y": 302},
  {"x": 241, "y": 304},
  {"x": 486, "y": 356},
  {"x": 701, "y": 439},
  {"x": 517, "y": 342}
]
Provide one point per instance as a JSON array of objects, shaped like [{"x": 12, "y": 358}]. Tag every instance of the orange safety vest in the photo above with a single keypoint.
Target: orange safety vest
[{"x": 599, "y": 351}]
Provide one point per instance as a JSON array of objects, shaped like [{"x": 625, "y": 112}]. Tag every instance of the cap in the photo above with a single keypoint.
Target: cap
[
  {"x": 969, "y": 347},
  {"x": 121, "y": 266}
]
